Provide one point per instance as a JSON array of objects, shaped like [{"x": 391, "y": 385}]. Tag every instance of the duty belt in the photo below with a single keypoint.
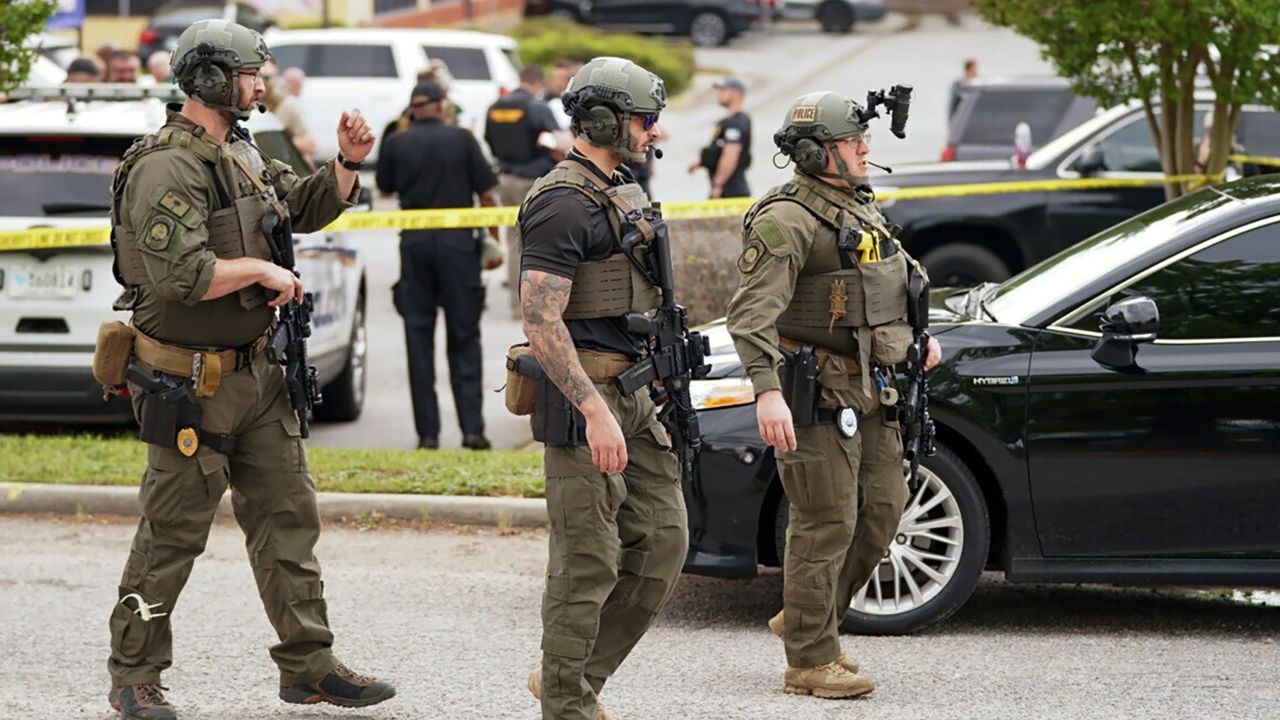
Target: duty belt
[
  {"x": 603, "y": 367},
  {"x": 851, "y": 366},
  {"x": 205, "y": 368}
]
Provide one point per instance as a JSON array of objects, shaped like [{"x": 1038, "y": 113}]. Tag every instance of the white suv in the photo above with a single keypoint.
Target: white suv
[
  {"x": 375, "y": 69},
  {"x": 57, "y": 155}
]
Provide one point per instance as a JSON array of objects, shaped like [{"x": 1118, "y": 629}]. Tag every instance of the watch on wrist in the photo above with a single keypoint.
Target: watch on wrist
[{"x": 349, "y": 164}]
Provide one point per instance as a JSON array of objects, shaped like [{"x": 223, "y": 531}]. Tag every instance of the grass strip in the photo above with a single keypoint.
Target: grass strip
[{"x": 96, "y": 460}]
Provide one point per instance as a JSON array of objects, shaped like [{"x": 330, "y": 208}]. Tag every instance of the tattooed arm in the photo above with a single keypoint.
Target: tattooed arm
[{"x": 543, "y": 298}]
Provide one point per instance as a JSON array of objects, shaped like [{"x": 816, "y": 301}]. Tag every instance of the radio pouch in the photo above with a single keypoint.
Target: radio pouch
[{"x": 520, "y": 389}]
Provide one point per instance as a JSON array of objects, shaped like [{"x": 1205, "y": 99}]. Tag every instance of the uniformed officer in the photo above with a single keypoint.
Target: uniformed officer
[
  {"x": 188, "y": 209},
  {"x": 521, "y": 133},
  {"x": 728, "y": 156},
  {"x": 434, "y": 165},
  {"x": 841, "y": 462},
  {"x": 618, "y": 526}
]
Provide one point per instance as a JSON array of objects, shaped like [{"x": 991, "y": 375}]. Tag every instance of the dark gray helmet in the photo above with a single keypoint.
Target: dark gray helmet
[
  {"x": 208, "y": 58},
  {"x": 604, "y": 94}
]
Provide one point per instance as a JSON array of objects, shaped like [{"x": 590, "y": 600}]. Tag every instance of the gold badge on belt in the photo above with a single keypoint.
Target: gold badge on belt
[{"x": 188, "y": 441}]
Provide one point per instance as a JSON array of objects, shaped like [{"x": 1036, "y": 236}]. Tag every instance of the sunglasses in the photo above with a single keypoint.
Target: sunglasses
[{"x": 649, "y": 120}]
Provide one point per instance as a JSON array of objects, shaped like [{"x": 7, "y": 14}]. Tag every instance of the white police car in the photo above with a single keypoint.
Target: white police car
[{"x": 58, "y": 149}]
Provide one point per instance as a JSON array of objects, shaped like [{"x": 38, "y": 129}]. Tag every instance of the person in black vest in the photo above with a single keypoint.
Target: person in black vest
[
  {"x": 434, "y": 165},
  {"x": 729, "y": 154},
  {"x": 520, "y": 131}
]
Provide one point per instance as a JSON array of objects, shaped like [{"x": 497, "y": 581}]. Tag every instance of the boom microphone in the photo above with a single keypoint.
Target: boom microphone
[
  {"x": 885, "y": 168},
  {"x": 657, "y": 152}
]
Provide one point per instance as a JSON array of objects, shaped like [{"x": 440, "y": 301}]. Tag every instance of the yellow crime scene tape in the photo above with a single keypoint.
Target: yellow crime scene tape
[
  {"x": 1255, "y": 159},
  {"x": 47, "y": 238}
]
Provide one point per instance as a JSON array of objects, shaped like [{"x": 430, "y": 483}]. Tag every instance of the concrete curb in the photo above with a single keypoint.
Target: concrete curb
[{"x": 111, "y": 500}]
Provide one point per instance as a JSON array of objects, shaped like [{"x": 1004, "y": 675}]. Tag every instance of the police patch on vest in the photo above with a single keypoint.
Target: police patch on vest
[
  {"x": 804, "y": 114},
  {"x": 158, "y": 233},
  {"x": 751, "y": 256}
]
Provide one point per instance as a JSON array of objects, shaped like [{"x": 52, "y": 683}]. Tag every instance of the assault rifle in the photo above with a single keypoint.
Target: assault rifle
[
  {"x": 288, "y": 344},
  {"x": 676, "y": 355},
  {"x": 917, "y": 426}
]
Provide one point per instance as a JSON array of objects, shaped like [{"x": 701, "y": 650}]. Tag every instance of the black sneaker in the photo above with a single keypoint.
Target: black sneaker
[
  {"x": 144, "y": 701},
  {"x": 428, "y": 443},
  {"x": 475, "y": 441},
  {"x": 340, "y": 687}
]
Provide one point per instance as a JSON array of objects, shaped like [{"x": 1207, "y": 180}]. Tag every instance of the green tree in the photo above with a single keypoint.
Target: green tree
[
  {"x": 1153, "y": 51},
  {"x": 18, "y": 21}
]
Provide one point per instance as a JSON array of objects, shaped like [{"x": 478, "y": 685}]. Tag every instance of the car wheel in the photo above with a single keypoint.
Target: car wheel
[
  {"x": 934, "y": 562},
  {"x": 962, "y": 265},
  {"x": 708, "y": 29},
  {"x": 835, "y": 16},
  {"x": 343, "y": 399}
]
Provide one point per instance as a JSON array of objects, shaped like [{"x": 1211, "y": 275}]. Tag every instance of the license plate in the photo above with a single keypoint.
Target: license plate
[{"x": 43, "y": 282}]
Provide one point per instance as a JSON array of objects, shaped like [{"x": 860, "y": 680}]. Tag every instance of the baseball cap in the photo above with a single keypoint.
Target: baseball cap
[
  {"x": 429, "y": 90},
  {"x": 730, "y": 83}
]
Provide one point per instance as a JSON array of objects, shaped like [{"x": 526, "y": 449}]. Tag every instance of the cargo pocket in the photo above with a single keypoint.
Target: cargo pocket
[
  {"x": 295, "y": 456},
  {"x": 889, "y": 343},
  {"x": 884, "y": 287}
]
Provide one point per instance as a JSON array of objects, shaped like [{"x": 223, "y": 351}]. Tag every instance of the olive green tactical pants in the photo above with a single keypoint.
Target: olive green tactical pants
[
  {"x": 617, "y": 544},
  {"x": 846, "y": 499},
  {"x": 275, "y": 504}
]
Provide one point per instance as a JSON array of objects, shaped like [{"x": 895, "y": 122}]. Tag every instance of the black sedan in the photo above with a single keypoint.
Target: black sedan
[
  {"x": 707, "y": 23},
  {"x": 967, "y": 239},
  {"x": 1110, "y": 415}
]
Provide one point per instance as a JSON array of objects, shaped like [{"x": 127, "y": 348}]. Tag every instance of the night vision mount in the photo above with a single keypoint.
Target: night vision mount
[{"x": 897, "y": 103}]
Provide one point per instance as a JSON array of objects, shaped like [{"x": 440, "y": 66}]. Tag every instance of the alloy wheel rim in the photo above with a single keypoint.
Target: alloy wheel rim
[
  {"x": 359, "y": 355},
  {"x": 922, "y": 558},
  {"x": 707, "y": 30}
]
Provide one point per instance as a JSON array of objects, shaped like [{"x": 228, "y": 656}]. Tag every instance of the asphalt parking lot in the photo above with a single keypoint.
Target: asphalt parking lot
[{"x": 451, "y": 615}]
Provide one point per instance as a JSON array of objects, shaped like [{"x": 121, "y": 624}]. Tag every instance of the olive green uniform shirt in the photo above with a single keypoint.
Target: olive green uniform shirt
[
  {"x": 785, "y": 241},
  {"x": 177, "y": 187}
]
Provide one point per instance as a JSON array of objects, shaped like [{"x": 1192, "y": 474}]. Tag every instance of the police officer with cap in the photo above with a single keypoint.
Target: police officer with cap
[
  {"x": 728, "y": 156},
  {"x": 520, "y": 131},
  {"x": 434, "y": 165},
  {"x": 618, "y": 528},
  {"x": 190, "y": 208},
  {"x": 823, "y": 293}
]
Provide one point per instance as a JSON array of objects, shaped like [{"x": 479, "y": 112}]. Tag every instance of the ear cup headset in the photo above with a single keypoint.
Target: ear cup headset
[{"x": 210, "y": 83}]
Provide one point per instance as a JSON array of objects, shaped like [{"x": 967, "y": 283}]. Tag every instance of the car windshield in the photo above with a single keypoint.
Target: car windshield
[
  {"x": 57, "y": 175},
  {"x": 1027, "y": 293}
]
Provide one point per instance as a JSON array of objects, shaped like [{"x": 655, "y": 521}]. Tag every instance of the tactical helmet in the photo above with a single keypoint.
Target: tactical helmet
[
  {"x": 208, "y": 58},
  {"x": 812, "y": 123},
  {"x": 604, "y": 94}
]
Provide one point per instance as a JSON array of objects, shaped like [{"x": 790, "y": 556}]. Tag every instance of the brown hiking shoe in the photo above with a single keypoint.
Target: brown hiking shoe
[
  {"x": 848, "y": 663},
  {"x": 535, "y": 687},
  {"x": 340, "y": 687},
  {"x": 144, "y": 701},
  {"x": 830, "y": 681}
]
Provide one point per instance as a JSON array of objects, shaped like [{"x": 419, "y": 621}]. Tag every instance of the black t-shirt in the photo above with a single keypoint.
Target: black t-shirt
[
  {"x": 736, "y": 129},
  {"x": 515, "y": 144},
  {"x": 432, "y": 165},
  {"x": 562, "y": 228}
]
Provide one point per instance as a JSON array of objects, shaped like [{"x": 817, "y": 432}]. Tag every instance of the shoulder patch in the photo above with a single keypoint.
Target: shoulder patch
[
  {"x": 176, "y": 204},
  {"x": 159, "y": 232},
  {"x": 750, "y": 259},
  {"x": 770, "y": 232}
]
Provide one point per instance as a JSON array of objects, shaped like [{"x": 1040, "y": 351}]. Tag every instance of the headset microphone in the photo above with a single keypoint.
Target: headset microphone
[
  {"x": 262, "y": 108},
  {"x": 882, "y": 167},
  {"x": 657, "y": 152}
]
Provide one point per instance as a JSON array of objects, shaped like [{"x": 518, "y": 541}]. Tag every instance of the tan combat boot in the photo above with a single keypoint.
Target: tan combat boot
[
  {"x": 848, "y": 663},
  {"x": 830, "y": 681},
  {"x": 535, "y": 687}
]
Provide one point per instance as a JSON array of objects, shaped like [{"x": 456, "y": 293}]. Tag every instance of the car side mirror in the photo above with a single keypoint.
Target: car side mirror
[
  {"x": 1090, "y": 162},
  {"x": 1126, "y": 325}
]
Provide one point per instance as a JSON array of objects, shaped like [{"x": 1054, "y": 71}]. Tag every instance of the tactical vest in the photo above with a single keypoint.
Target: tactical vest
[
  {"x": 244, "y": 184},
  {"x": 860, "y": 308},
  {"x": 611, "y": 287},
  {"x": 510, "y": 132}
]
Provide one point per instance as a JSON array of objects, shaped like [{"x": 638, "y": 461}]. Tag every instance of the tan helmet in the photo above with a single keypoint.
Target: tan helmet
[
  {"x": 604, "y": 94},
  {"x": 208, "y": 58}
]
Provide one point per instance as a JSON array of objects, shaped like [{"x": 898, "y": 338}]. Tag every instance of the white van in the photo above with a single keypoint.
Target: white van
[{"x": 374, "y": 69}]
